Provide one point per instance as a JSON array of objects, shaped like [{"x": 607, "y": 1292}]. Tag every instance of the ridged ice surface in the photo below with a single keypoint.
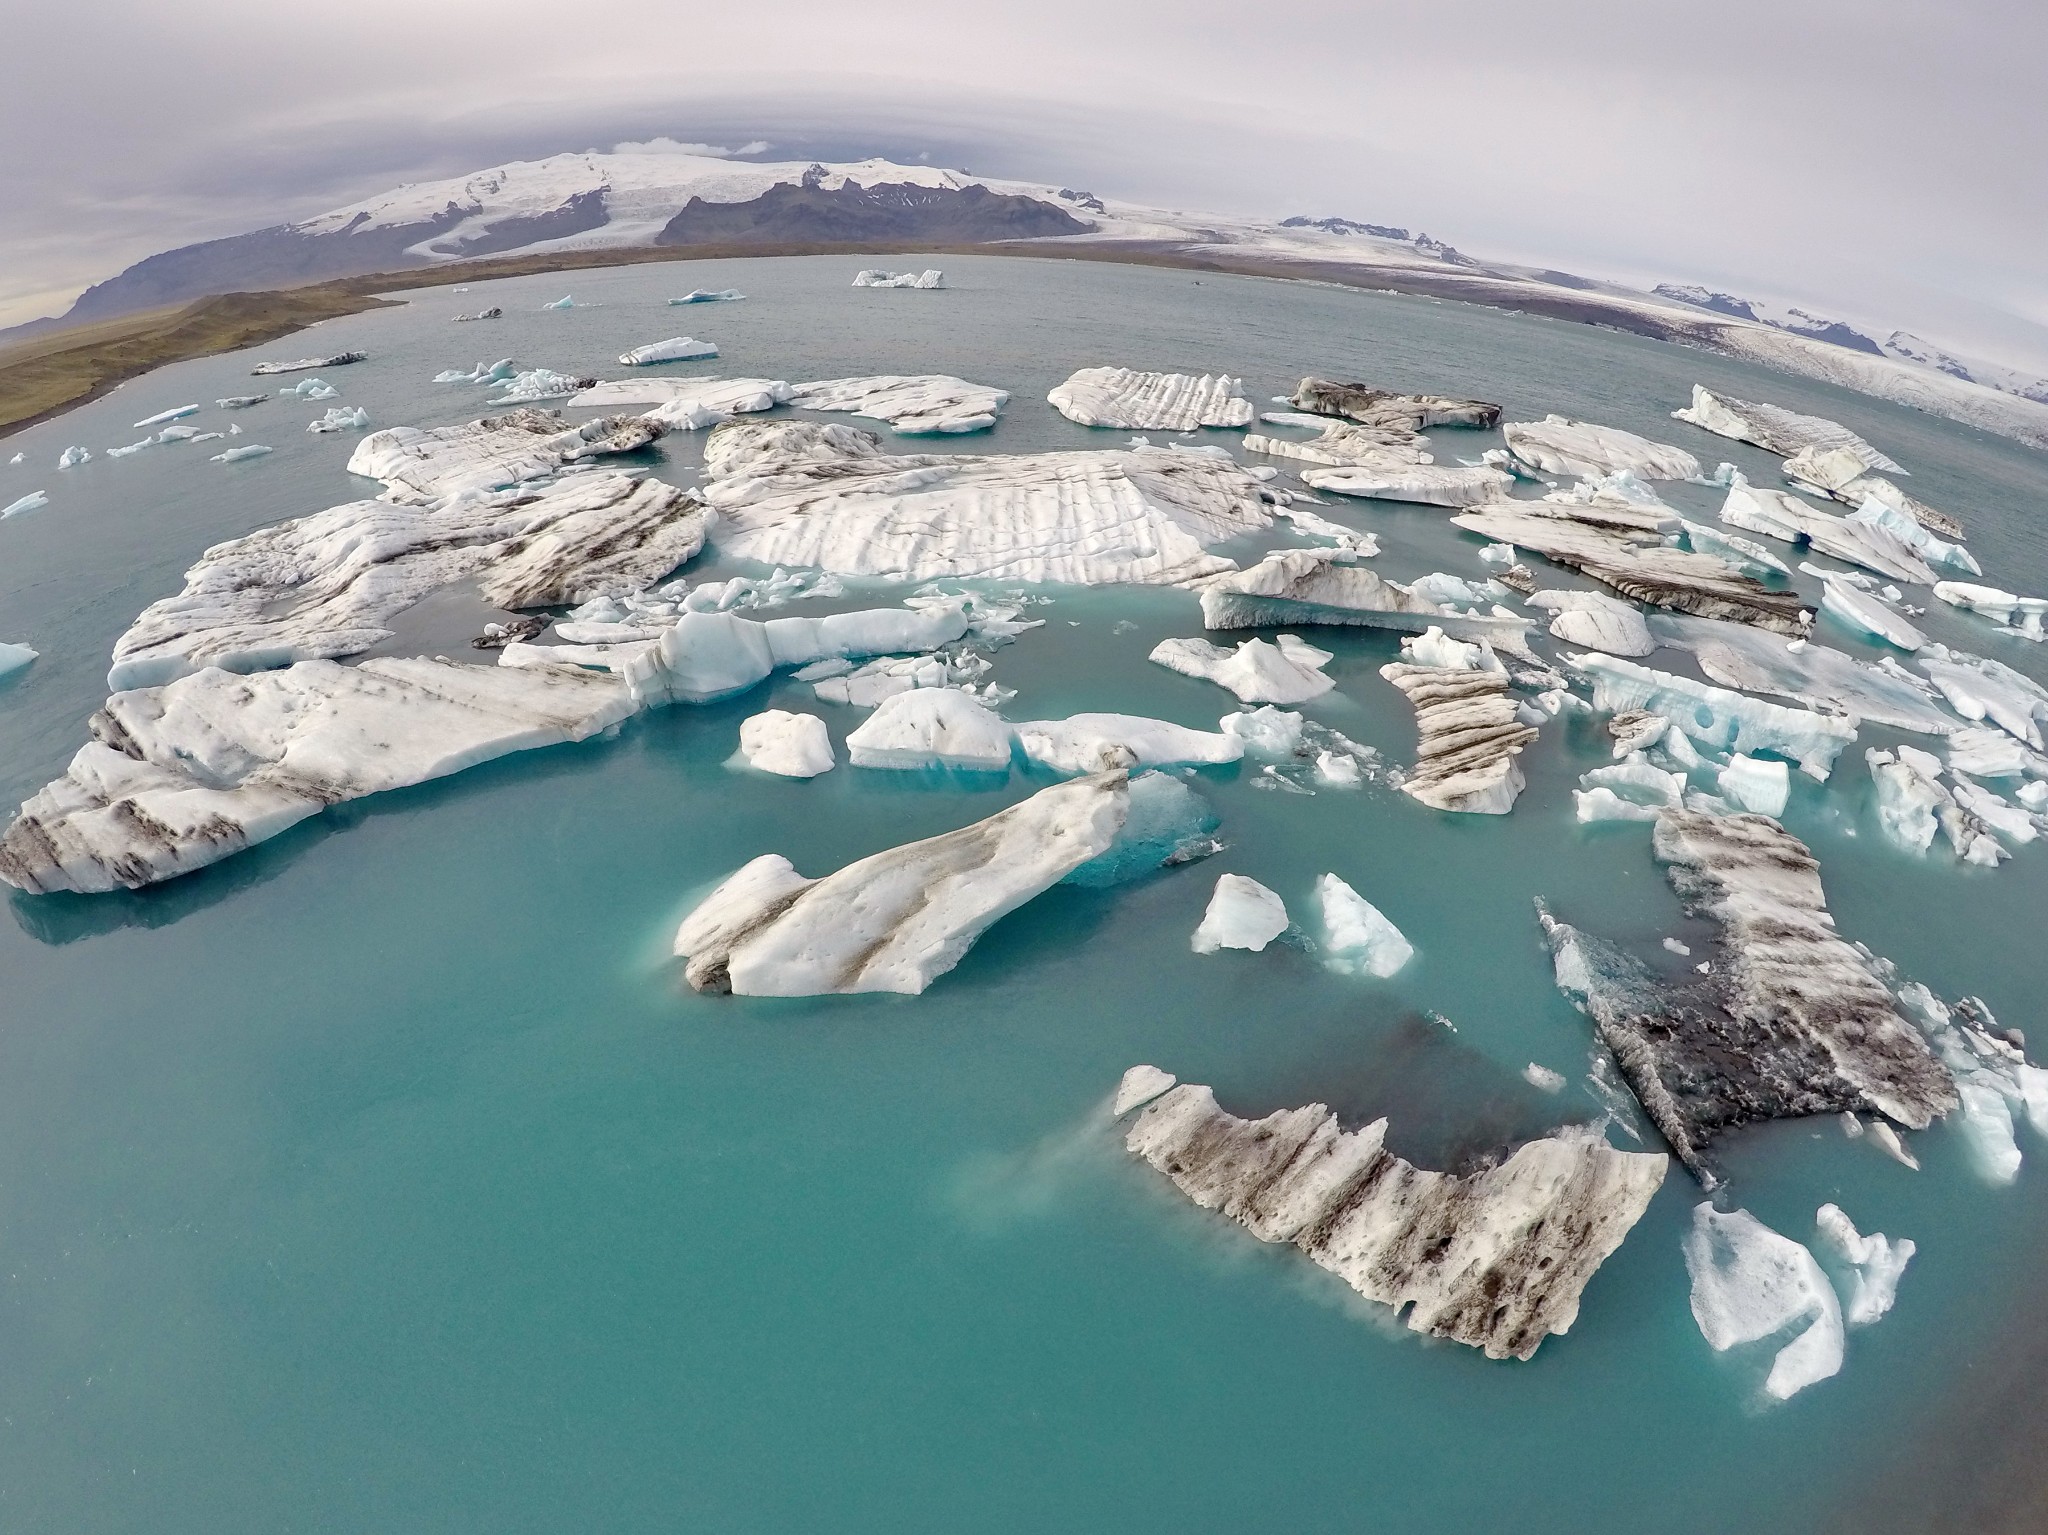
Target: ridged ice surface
[
  {"x": 1496, "y": 1259},
  {"x": 1151, "y": 402},
  {"x": 1470, "y": 736},
  {"x": 1560, "y": 445},
  {"x": 1345, "y": 444},
  {"x": 1716, "y": 717},
  {"x": 181, "y": 776},
  {"x": 1385, "y": 408},
  {"x": 1842, "y": 474},
  {"x": 1788, "y": 1020},
  {"x": 1316, "y": 586},
  {"x": 687, "y": 404},
  {"x": 797, "y": 493},
  {"x": 1424, "y": 484},
  {"x": 915, "y": 404},
  {"x": 1780, "y": 514},
  {"x": 1818, "y": 676},
  {"x": 1640, "y": 566},
  {"x": 1776, "y": 429},
  {"x": 422, "y": 464},
  {"x": 328, "y": 585}
]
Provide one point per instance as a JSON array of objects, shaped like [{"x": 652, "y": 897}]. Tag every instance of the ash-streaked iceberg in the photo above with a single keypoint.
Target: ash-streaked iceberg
[
  {"x": 913, "y": 405},
  {"x": 898, "y": 920},
  {"x": 1560, "y": 445},
  {"x": 1319, "y": 586},
  {"x": 1342, "y": 444},
  {"x": 1840, "y": 474},
  {"x": 1819, "y": 676},
  {"x": 423, "y": 464},
  {"x": 185, "y": 775},
  {"x": 306, "y": 364},
  {"x": 1385, "y": 408},
  {"x": 1777, "y": 430},
  {"x": 1470, "y": 733},
  {"x": 704, "y": 656},
  {"x": 1497, "y": 1259},
  {"x": 341, "y": 418},
  {"x": 1151, "y": 402},
  {"x": 802, "y": 493}
]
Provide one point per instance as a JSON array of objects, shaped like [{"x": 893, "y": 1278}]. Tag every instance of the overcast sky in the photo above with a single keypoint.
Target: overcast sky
[{"x": 1883, "y": 159}]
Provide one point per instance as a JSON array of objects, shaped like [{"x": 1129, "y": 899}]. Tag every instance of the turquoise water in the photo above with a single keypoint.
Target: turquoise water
[{"x": 387, "y": 1178}]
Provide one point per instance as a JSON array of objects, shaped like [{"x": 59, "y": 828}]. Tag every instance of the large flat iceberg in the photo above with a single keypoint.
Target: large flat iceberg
[
  {"x": 422, "y": 464},
  {"x": 1777, "y": 430},
  {"x": 1151, "y": 402},
  {"x": 918, "y": 404},
  {"x": 1560, "y": 445},
  {"x": 1384, "y": 408}
]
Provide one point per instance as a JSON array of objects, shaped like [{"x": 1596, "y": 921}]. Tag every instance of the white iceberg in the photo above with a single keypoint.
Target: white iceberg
[
  {"x": 1840, "y": 474},
  {"x": 340, "y": 418},
  {"x": 238, "y": 455},
  {"x": 1868, "y": 614},
  {"x": 1745, "y": 554},
  {"x": 566, "y": 301},
  {"x": 2023, "y": 614},
  {"x": 1978, "y": 688},
  {"x": 311, "y": 389},
  {"x": 185, "y": 775},
  {"x": 1357, "y": 938},
  {"x": 1140, "y": 1085},
  {"x": 423, "y": 464},
  {"x": 72, "y": 457},
  {"x": 35, "y": 500},
  {"x": 14, "y": 657},
  {"x": 531, "y": 384},
  {"x": 1560, "y": 445},
  {"x": 1168, "y": 824},
  {"x": 1597, "y": 621},
  {"x": 1782, "y": 515},
  {"x": 1090, "y": 743},
  {"x": 482, "y": 373},
  {"x": 675, "y": 349},
  {"x": 918, "y": 404},
  {"x": 806, "y": 494},
  {"x": 876, "y": 277},
  {"x": 1257, "y": 671},
  {"x": 1716, "y": 717},
  {"x": 787, "y": 745},
  {"x": 898, "y": 920},
  {"x": 1756, "y": 785},
  {"x": 1424, "y": 484},
  {"x": 1320, "y": 586},
  {"x": 706, "y": 656},
  {"x": 161, "y": 417},
  {"x": 1935, "y": 551},
  {"x": 932, "y": 728},
  {"x": 686, "y": 404},
  {"x": 1777, "y": 430},
  {"x": 1876, "y": 1264},
  {"x": 1151, "y": 402},
  {"x": 1749, "y": 1283},
  {"x": 1993, "y": 1076},
  {"x": 1341, "y": 444},
  {"x": 1740, "y": 656},
  {"x": 1242, "y": 914}
]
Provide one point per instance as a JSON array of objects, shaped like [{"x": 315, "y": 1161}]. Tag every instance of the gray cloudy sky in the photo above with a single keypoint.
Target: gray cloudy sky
[{"x": 1882, "y": 159}]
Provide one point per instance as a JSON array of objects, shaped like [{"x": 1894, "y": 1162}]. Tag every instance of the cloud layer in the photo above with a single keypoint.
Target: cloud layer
[{"x": 1874, "y": 158}]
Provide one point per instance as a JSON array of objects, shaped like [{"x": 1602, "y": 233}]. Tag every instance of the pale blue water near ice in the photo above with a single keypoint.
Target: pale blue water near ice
[{"x": 387, "y": 1178}]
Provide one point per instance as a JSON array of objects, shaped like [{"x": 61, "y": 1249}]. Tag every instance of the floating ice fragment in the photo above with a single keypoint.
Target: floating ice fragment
[
  {"x": 566, "y": 301},
  {"x": 1257, "y": 671},
  {"x": 1876, "y": 1264},
  {"x": 709, "y": 296},
  {"x": 340, "y": 418},
  {"x": 675, "y": 349},
  {"x": 1720, "y": 719},
  {"x": 1777, "y": 430},
  {"x": 163, "y": 416},
  {"x": 71, "y": 458},
  {"x": 1357, "y": 938},
  {"x": 933, "y": 728},
  {"x": 1242, "y": 914},
  {"x": 2021, "y": 614},
  {"x": 787, "y": 745},
  {"x": 311, "y": 389},
  {"x": 1596, "y": 620},
  {"x": 1560, "y": 445},
  {"x": 1756, "y": 785},
  {"x": 1140, "y": 1085},
  {"x": 922, "y": 404},
  {"x": 1089, "y": 743},
  {"x": 1869, "y": 616},
  {"x": 14, "y": 657},
  {"x": 1750, "y": 1283},
  {"x": 241, "y": 401},
  {"x": 33, "y": 501},
  {"x": 875, "y": 277},
  {"x": 304, "y": 364},
  {"x": 236, "y": 455},
  {"x": 1542, "y": 1078},
  {"x": 1422, "y": 484}
]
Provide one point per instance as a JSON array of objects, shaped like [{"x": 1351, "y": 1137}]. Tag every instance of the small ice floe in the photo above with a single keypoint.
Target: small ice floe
[
  {"x": 1630, "y": 790},
  {"x": 1867, "y": 614},
  {"x": 311, "y": 389},
  {"x": 1979, "y": 688},
  {"x": 787, "y": 745},
  {"x": 1257, "y": 671},
  {"x": 17, "y": 458},
  {"x": 1495, "y": 1260},
  {"x": 900, "y": 919},
  {"x": 1422, "y": 484},
  {"x": 1993, "y": 1076},
  {"x": 306, "y": 364},
  {"x": 675, "y": 349},
  {"x": 14, "y": 657},
  {"x": 1151, "y": 402},
  {"x": 1542, "y": 1078},
  {"x": 238, "y": 455},
  {"x": 163, "y": 417},
  {"x": 1298, "y": 750},
  {"x": 1883, "y": 515},
  {"x": 1876, "y": 1263},
  {"x": 1242, "y": 914},
  {"x": 1140, "y": 1085},
  {"x": 1744, "y": 554},
  {"x": 35, "y": 500},
  {"x": 133, "y": 447},
  {"x": 340, "y": 418},
  {"x": 531, "y": 384},
  {"x": 482, "y": 373},
  {"x": 1357, "y": 937},
  {"x": 493, "y": 313},
  {"x": 1597, "y": 621},
  {"x": 1716, "y": 717},
  {"x": 72, "y": 457},
  {"x": 2022, "y": 615},
  {"x": 932, "y": 728},
  {"x": 1756, "y": 785},
  {"x": 1560, "y": 445},
  {"x": 922, "y": 404},
  {"x": 875, "y": 277},
  {"x": 1322, "y": 586},
  {"x": 1749, "y": 1283},
  {"x": 709, "y": 296},
  {"x": 241, "y": 401},
  {"x": 566, "y": 301}
]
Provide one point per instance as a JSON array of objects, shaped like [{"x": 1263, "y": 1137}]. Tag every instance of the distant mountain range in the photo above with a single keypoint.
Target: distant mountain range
[{"x": 579, "y": 204}]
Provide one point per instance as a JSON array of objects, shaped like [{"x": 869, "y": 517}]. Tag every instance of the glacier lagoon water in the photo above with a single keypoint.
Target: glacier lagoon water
[{"x": 387, "y": 1177}]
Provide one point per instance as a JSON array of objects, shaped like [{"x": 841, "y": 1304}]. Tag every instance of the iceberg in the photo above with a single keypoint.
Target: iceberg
[
  {"x": 1867, "y": 614},
  {"x": 181, "y": 776},
  {"x": 524, "y": 388},
  {"x": 238, "y": 455},
  {"x": 1469, "y": 737},
  {"x": 1149, "y": 402},
  {"x": 306, "y": 364},
  {"x": 704, "y": 656},
  {"x": 1749, "y": 1283},
  {"x": 418, "y": 465},
  {"x": 72, "y": 457},
  {"x": 933, "y": 728},
  {"x": 1788, "y": 1019},
  {"x": 340, "y": 418},
  {"x": 1140, "y": 1085},
  {"x": 241, "y": 401},
  {"x": 2022, "y": 614},
  {"x": 566, "y": 301},
  {"x": 898, "y": 920},
  {"x": 483, "y": 373},
  {"x": 329, "y": 585},
  {"x": 1717, "y": 718},
  {"x": 1756, "y": 785},
  {"x": 709, "y": 296},
  {"x": 1978, "y": 688},
  {"x": 686, "y": 404},
  {"x": 1258, "y": 672},
  {"x": 1992, "y": 1074},
  {"x": 1841, "y": 475},
  {"x": 875, "y": 277},
  {"x": 35, "y": 500},
  {"x": 675, "y": 349},
  {"x": 133, "y": 447},
  {"x": 802, "y": 493},
  {"x": 1596, "y": 621},
  {"x": 1091, "y": 743},
  {"x": 311, "y": 389},
  {"x": 1912, "y": 805},
  {"x": 1342, "y": 444},
  {"x": 1987, "y": 753},
  {"x": 1935, "y": 551},
  {"x": 1738, "y": 656},
  {"x": 1745, "y": 554},
  {"x": 1318, "y": 586},
  {"x": 14, "y": 657},
  {"x": 1639, "y": 566},
  {"x": 1781, "y": 515},
  {"x": 1777, "y": 430},
  {"x": 493, "y": 313},
  {"x": 1384, "y": 408},
  {"x": 1560, "y": 445},
  {"x": 1242, "y": 914},
  {"x": 1424, "y": 484},
  {"x": 1168, "y": 825},
  {"x": 918, "y": 404},
  {"x": 787, "y": 745},
  {"x": 1496, "y": 1260},
  {"x": 1876, "y": 1263},
  {"x": 162, "y": 417},
  {"x": 1357, "y": 939}
]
